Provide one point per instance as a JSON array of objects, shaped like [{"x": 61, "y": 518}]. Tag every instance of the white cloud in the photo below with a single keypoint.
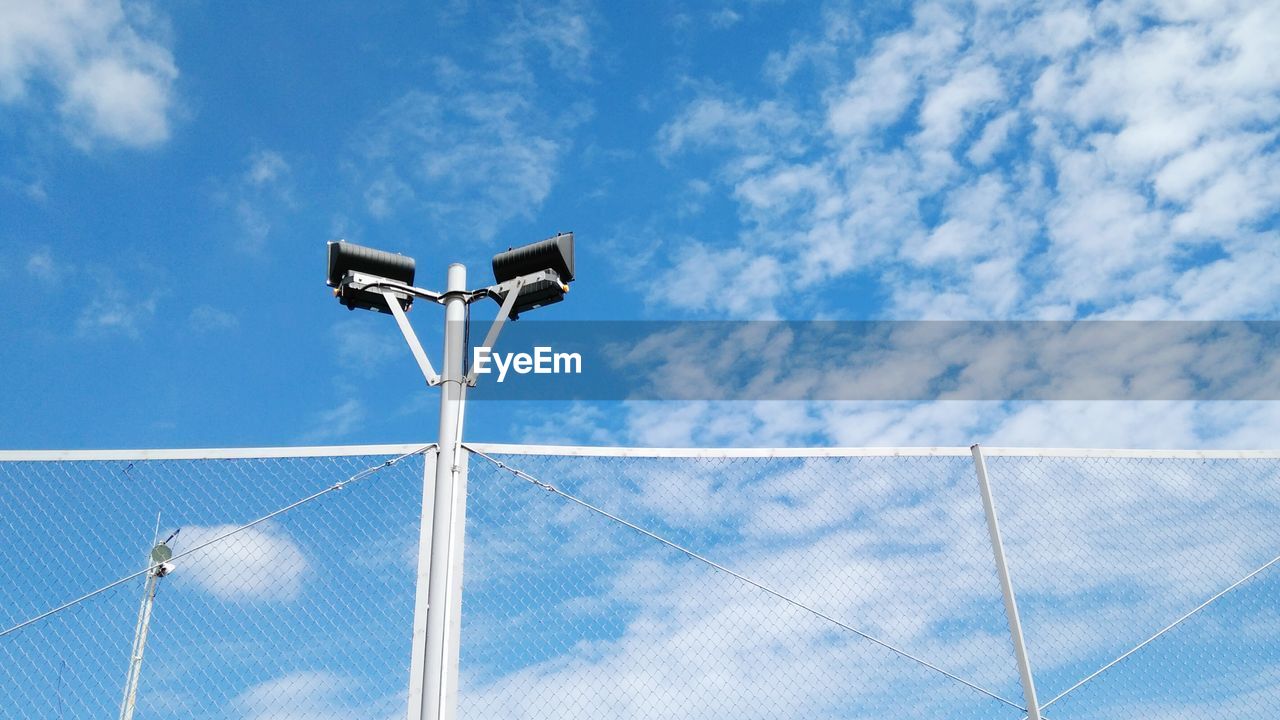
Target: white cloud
[
  {"x": 562, "y": 30},
  {"x": 715, "y": 122},
  {"x": 336, "y": 422},
  {"x": 364, "y": 346},
  {"x": 260, "y": 564},
  {"x": 579, "y": 423},
  {"x": 822, "y": 52},
  {"x": 313, "y": 695},
  {"x": 953, "y": 423},
  {"x": 266, "y": 166},
  {"x": 718, "y": 279},
  {"x": 298, "y": 693},
  {"x": 31, "y": 187},
  {"x": 259, "y": 197},
  {"x": 478, "y": 149},
  {"x": 1128, "y": 138},
  {"x": 207, "y": 318},
  {"x": 116, "y": 308},
  {"x": 469, "y": 163},
  {"x": 110, "y": 306},
  {"x": 113, "y": 75},
  {"x": 1236, "y": 285},
  {"x": 725, "y": 17},
  {"x": 947, "y": 110},
  {"x": 42, "y": 266},
  {"x": 885, "y": 83},
  {"x": 112, "y": 99},
  {"x": 994, "y": 135}
]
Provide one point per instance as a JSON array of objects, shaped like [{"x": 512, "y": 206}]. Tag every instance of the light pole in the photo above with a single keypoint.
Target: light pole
[{"x": 527, "y": 277}]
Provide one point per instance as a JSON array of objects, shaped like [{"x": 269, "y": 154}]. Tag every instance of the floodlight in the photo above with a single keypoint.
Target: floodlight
[
  {"x": 358, "y": 274},
  {"x": 554, "y": 253},
  {"x": 549, "y": 262}
]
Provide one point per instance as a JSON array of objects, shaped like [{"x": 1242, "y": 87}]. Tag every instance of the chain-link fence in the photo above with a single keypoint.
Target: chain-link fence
[
  {"x": 649, "y": 584},
  {"x": 1109, "y": 551},
  {"x": 305, "y": 615},
  {"x": 569, "y": 613}
]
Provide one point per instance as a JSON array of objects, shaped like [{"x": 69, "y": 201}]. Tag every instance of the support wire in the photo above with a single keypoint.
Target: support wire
[
  {"x": 754, "y": 583},
  {"x": 1166, "y": 629}
]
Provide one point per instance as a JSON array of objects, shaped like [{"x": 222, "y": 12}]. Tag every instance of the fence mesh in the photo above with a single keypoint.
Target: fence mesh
[
  {"x": 569, "y": 613},
  {"x": 1107, "y": 552},
  {"x": 306, "y": 615}
]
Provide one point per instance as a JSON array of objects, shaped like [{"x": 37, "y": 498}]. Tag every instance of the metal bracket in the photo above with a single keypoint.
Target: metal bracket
[
  {"x": 424, "y": 363},
  {"x": 361, "y": 281},
  {"x": 506, "y": 294},
  {"x": 497, "y": 292},
  {"x": 512, "y": 288}
]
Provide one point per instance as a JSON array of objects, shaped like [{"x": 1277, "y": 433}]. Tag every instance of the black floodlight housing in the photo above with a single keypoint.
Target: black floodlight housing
[
  {"x": 553, "y": 254},
  {"x": 356, "y": 273}
]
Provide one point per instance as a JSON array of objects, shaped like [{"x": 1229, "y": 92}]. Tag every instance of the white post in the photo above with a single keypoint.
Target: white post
[
  {"x": 130, "y": 701},
  {"x": 439, "y": 679},
  {"x": 417, "y": 662},
  {"x": 1006, "y": 588}
]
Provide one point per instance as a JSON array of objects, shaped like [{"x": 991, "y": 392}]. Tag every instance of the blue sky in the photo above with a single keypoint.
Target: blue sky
[{"x": 170, "y": 174}]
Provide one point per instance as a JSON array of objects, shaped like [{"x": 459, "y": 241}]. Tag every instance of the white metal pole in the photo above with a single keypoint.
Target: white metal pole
[
  {"x": 448, "y": 519},
  {"x": 418, "y": 658},
  {"x": 1006, "y": 588},
  {"x": 139, "y": 646}
]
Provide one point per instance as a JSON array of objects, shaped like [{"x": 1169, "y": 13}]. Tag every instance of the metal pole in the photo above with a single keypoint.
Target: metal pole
[
  {"x": 1006, "y": 588},
  {"x": 417, "y": 661},
  {"x": 139, "y": 646},
  {"x": 448, "y": 519}
]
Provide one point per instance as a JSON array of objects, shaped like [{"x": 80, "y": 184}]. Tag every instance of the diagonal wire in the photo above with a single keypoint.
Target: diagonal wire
[
  {"x": 754, "y": 583},
  {"x": 1166, "y": 629},
  {"x": 336, "y": 486}
]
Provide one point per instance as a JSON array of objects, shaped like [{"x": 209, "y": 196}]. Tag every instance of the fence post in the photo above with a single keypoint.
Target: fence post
[
  {"x": 1006, "y": 587},
  {"x": 418, "y": 656}
]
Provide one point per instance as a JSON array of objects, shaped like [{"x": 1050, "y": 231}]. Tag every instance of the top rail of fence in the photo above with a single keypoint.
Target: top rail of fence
[
  {"x": 616, "y": 451},
  {"x": 958, "y": 451},
  {"x": 211, "y": 453}
]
